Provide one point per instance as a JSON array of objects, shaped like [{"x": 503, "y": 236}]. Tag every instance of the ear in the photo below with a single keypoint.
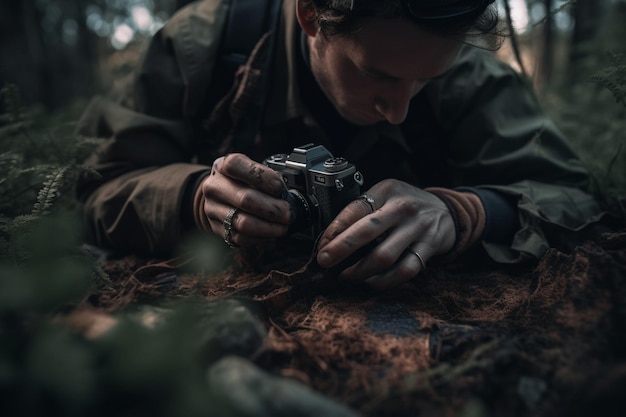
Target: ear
[{"x": 307, "y": 14}]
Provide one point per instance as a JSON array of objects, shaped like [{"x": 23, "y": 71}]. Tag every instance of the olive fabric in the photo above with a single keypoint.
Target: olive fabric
[{"x": 479, "y": 128}]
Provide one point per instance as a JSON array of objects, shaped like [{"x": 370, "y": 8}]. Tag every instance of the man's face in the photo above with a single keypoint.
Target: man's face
[{"x": 372, "y": 75}]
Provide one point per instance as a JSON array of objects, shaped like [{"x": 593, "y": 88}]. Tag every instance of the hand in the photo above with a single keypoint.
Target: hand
[
  {"x": 406, "y": 219},
  {"x": 255, "y": 190}
]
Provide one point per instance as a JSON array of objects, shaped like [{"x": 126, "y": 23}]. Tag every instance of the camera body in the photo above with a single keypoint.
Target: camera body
[{"x": 319, "y": 186}]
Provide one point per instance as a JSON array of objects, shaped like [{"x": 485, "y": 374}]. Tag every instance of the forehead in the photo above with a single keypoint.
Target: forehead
[{"x": 401, "y": 48}]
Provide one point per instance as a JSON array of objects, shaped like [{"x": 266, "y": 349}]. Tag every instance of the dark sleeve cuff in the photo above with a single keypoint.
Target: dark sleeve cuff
[{"x": 501, "y": 215}]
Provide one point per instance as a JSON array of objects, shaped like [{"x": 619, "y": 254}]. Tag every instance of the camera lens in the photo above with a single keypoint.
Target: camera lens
[{"x": 303, "y": 213}]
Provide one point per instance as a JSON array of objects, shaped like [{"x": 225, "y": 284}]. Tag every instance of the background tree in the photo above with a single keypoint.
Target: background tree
[
  {"x": 54, "y": 50},
  {"x": 589, "y": 16}
]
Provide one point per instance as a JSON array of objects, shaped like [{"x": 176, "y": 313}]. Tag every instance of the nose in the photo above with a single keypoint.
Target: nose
[{"x": 393, "y": 102}]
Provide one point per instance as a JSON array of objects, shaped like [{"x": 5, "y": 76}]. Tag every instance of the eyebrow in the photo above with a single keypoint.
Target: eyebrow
[{"x": 383, "y": 74}]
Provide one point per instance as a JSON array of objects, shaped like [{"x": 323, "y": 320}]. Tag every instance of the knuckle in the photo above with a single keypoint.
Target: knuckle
[
  {"x": 232, "y": 161},
  {"x": 386, "y": 185},
  {"x": 362, "y": 207},
  {"x": 232, "y": 158},
  {"x": 388, "y": 182},
  {"x": 275, "y": 179},
  {"x": 206, "y": 186},
  {"x": 241, "y": 222},
  {"x": 383, "y": 258},
  {"x": 406, "y": 207},
  {"x": 244, "y": 199},
  {"x": 336, "y": 227}
]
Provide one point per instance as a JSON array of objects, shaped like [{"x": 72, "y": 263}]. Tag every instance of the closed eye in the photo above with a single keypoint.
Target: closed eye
[{"x": 379, "y": 76}]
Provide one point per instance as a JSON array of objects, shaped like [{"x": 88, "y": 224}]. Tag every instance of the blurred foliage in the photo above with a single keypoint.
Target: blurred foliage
[
  {"x": 588, "y": 103},
  {"x": 46, "y": 367},
  {"x": 613, "y": 77},
  {"x": 39, "y": 167},
  {"x": 54, "y": 50}
]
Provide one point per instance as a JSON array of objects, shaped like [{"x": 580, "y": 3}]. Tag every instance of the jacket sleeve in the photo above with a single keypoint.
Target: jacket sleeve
[
  {"x": 146, "y": 158},
  {"x": 500, "y": 140}
]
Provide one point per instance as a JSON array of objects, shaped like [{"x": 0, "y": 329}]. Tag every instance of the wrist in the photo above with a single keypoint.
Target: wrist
[
  {"x": 501, "y": 215},
  {"x": 468, "y": 215}
]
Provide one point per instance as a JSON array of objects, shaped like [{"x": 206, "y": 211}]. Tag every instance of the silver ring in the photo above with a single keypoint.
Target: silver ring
[
  {"x": 228, "y": 226},
  {"x": 420, "y": 258},
  {"x": 369, "y": 200}
]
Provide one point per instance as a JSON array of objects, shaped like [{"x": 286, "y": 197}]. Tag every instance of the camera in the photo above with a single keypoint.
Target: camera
[{"x": 319, "y": 186}]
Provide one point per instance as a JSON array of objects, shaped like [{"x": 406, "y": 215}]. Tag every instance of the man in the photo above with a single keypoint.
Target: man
[{"x": 455, "y": 151}]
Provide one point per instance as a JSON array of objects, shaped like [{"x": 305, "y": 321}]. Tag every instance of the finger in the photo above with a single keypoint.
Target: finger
[
  {"x": 353, "y": 212},
  {"x": 244, "y": 169},
  {"x": 220, "y": 188},
  {"x": 235, "y": 238},
  {"x": 356, "y": 235},
  {"x": 407, "y": 268},
  {"x": 383, "y": 256},
  {"x": 391, "y": 250},
  {"x": 245, "y": 224}
]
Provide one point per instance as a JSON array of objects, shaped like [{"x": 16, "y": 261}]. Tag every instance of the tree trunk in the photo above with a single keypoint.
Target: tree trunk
[
  {"x": 589, "y": 17},
  {"x": 547, "y": 60},
  {"x": 21, "y": 50}
]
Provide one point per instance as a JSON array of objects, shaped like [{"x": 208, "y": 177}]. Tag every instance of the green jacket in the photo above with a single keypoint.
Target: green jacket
[{"x": 480, "y": 126}]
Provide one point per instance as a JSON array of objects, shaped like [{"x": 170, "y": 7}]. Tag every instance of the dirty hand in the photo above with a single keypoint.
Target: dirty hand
[
  {"x": 241, "y": 201},
  {"x": 406, "y": 221}
]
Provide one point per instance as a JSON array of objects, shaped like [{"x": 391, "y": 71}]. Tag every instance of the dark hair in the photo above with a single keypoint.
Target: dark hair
[{"x": 467, "y": 18}]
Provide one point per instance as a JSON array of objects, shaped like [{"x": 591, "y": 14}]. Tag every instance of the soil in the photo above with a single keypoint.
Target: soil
[{"x": 543, "y": 339}]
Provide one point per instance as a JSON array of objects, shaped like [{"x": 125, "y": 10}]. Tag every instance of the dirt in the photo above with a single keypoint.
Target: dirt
[{"x": 545, "y": 339}]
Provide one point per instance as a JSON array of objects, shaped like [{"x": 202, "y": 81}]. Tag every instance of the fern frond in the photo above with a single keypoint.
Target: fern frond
[
  {"x": 21, "y": 221},
  {"x": 618, "y": 62},
  {"x": 41, "y": 170},
  {"x": 21, "y": 177},
  {"x": 50, "y": 191},
  {"x": 613, "y": 77}
]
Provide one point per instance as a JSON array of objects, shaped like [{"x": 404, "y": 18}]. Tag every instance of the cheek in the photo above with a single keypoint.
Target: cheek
[
  {"x": 357, "y": 92},
  {"x": 353, "y": 88},
  {"x": 345, "y": 85}
]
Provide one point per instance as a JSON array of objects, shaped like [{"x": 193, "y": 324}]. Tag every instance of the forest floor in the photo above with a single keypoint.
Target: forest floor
[{"x": 546, "y": 339}]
